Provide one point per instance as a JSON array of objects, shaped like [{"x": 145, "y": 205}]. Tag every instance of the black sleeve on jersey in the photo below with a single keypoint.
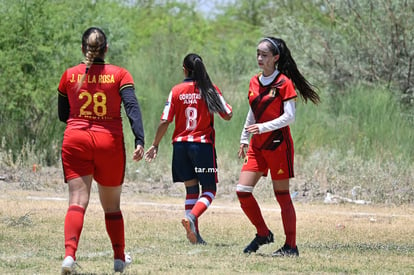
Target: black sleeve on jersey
[
  {"x": 63, "y": 107},
  {"x": 133, "y": 112}
]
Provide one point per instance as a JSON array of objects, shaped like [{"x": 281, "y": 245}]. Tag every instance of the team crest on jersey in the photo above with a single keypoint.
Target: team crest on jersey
[{"x": 273, "y": 92}]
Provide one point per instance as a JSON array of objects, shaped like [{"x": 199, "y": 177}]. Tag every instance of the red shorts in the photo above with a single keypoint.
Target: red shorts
[
  {"x": 279, "y": 161},
  {"x": 93, "y": 153}
]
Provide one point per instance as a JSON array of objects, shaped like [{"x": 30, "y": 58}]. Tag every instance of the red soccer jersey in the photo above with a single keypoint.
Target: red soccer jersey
[
  {"x": 193, "y": 121},
  {"x": 266, "y": 103},
  {"x": 97, "y": 104}
]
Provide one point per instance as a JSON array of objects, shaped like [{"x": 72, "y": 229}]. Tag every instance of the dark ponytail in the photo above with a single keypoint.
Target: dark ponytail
[
  {"x": 287, "y": 65},
  {"x": 196, "y": 70}
]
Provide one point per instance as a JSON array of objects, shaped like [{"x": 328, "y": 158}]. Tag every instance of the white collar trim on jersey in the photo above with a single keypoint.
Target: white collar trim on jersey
[{"x": 266, "y": 80}]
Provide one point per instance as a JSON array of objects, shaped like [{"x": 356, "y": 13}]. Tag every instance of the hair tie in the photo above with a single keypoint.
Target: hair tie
[
  {"x": 273, "y": 43},
  {"x": 197, "y": 58}
]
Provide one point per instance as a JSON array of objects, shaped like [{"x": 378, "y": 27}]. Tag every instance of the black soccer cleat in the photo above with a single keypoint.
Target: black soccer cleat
[
  {"x": 286, "y": 251},
  {"x": 257, "y": 242},
  {"x": 200, "y": 240}
]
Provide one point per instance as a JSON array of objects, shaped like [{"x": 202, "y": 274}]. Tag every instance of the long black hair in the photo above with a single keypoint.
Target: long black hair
[
  {"x": 287, "y": 65},
  {"x": 193, "y": 63}
]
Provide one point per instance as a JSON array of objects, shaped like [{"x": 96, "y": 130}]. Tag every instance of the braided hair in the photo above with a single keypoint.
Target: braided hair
[
  {"x": 193, "y": 63},
  {"x": 287, "y": 65},
  {"x": 94, "y": 45}
]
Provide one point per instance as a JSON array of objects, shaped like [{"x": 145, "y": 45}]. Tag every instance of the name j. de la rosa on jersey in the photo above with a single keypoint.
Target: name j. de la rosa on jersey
[{"x": 100, "y": 78}]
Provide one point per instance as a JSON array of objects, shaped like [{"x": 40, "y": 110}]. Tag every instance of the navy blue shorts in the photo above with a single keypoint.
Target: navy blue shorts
[{"x": 194, "y": 160}]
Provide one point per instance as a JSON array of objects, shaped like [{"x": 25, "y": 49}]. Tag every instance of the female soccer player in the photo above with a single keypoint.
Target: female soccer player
[
  {"x": 272, "y": 98},
  {"x": 193, "y": 104},
  {"x": 89, "y": 102}
]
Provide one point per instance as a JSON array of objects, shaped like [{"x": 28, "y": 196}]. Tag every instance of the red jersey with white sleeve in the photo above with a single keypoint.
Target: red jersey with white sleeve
[
  {"x": 266, "y": 103},
  {"x": 193, "y": 121},
  {"x": 96, "y": 106}
]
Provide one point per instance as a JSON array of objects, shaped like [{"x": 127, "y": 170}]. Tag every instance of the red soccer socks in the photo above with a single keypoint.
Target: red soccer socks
[
  {"x": 73, "y": 228},
  {"x": 115, "y": 227},
  {"x": 252, "y": 210},
  {"x": 288, "y": 216}
]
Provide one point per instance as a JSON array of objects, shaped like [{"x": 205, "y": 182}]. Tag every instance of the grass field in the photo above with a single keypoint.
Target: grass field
[{"x": 332, "y": 239}]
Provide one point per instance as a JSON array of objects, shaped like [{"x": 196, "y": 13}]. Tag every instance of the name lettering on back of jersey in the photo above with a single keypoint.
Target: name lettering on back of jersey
[
  {"x": 101, "y": 78},
  {"x": 189, "y": 98}
]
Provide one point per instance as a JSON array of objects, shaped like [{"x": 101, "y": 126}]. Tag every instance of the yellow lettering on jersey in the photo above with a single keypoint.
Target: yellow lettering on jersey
[
  {"x": 91, "y": 78},
  {"x": 102, "y": 78},
  {"x": 251, "y": 93},
  {"x": 106, "y": 78}
]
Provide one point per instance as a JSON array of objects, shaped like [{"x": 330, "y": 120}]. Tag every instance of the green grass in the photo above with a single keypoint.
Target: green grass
[{"x": 344, "y": 238}]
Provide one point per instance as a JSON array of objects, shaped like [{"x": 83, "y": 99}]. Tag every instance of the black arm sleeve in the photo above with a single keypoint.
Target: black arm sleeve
[
  {"x": 133, "y": 112},
  {"x": 63, "y": 107}
]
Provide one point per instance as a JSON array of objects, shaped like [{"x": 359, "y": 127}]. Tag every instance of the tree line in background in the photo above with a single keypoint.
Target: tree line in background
[{"x": 339, "y": 45}]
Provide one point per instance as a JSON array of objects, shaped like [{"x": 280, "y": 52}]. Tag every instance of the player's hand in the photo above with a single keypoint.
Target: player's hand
[
  {"x": 151, "y": 153},
  {"x": 253, "y": 129},
  {"x": 242, "y": 150},
  {"x": 138, "y": 153}
]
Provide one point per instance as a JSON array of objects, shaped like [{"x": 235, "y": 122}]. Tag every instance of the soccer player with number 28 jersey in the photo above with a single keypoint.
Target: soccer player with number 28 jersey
[
  {"x": 272, "y": 98},
  {"x": 193, "y": 103},
  {"x": 89, "y": 102}
]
